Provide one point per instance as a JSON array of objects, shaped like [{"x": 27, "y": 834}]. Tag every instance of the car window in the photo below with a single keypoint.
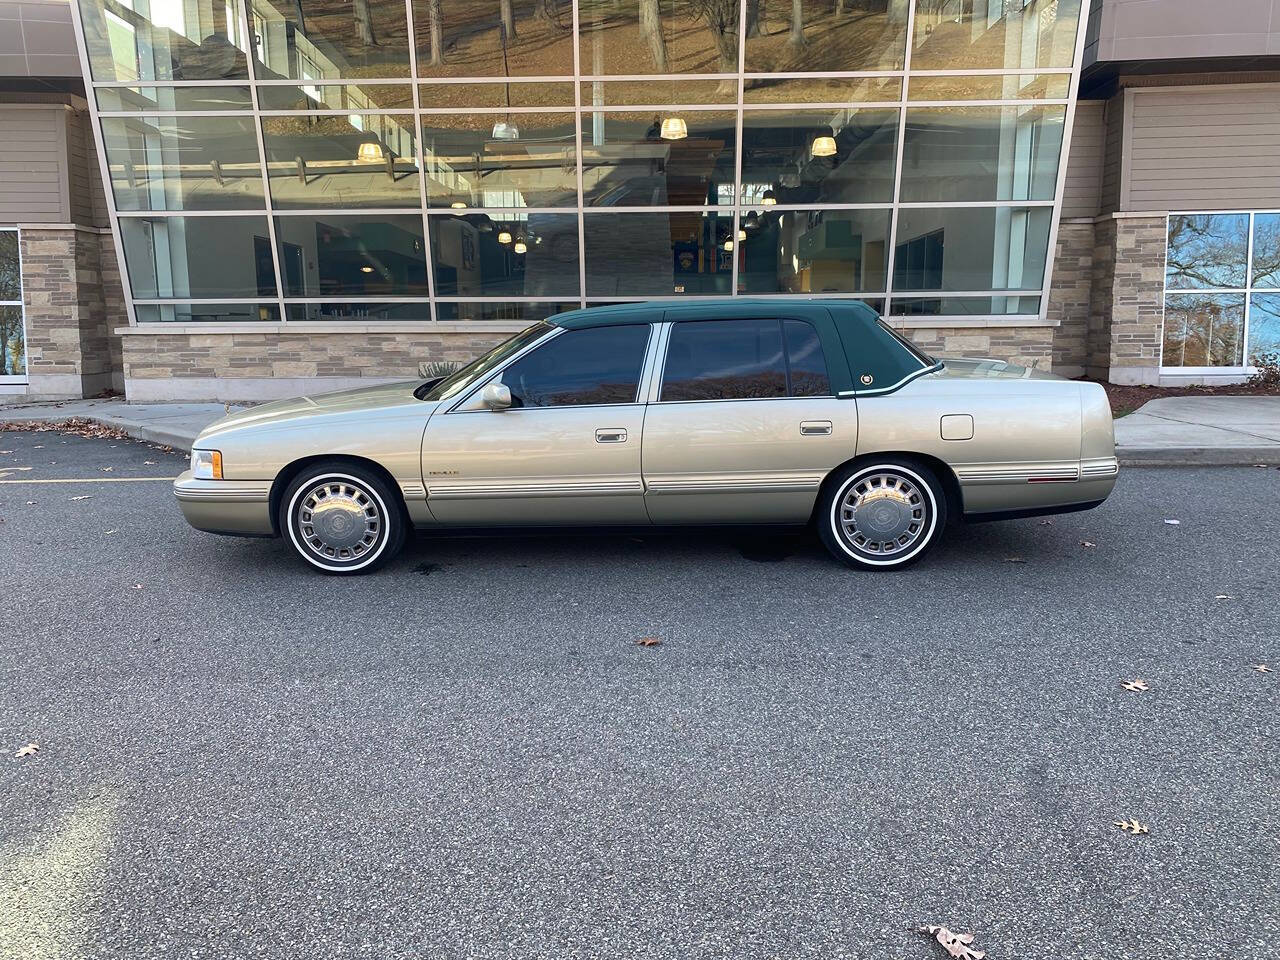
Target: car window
[
  {"x": 744, "y": 360},
  {"x": 579, "y": 367},
  {"x": 806, "y": 363},
  {"x": 459, "y": 380}
]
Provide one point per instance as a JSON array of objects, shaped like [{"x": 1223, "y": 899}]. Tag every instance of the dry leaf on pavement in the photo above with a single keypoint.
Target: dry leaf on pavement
[
  {"x": 87, "y": 496},
  {"x": 136, "y": 586},
  {"x": 1262, "y": 668},
  {"x": 1014, "y": 560},
  {"x": 1174, "y": 523},
  {"x": 1136, "y": 685},
  {"x": 1224, "y": 596},
  {"x": 648, "y": 642},
  {"x": 30, "y": 750},
  {"x": 956, "y": 944},
  {"x": 1087, "y": 543},
  {"x": 1133, "y": 826},
  {"x": 1047, "y": 522}
]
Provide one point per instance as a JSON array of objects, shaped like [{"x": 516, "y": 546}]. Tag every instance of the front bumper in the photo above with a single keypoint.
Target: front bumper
[{"x": 237, "y": 507}]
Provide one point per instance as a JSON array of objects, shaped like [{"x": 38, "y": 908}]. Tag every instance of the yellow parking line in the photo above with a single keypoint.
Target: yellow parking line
[{"x": 96, "y": 480}]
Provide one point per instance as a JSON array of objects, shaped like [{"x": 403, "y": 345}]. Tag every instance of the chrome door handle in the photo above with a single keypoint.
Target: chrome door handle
[
  {"x": 815, "y": 428},
  {"x": 611, "y": 435}
]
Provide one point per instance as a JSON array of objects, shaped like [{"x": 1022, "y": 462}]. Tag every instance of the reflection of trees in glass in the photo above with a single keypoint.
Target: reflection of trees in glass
[
  {"x": 1203, "y": 330},
  {"x": 12, "y": 354},
  {"x": 435, "y": 27},
  {"x": 1266, "y": 250},
  {"x": 814, "y": 35},
  {"x": 651, "y": 30},
  {"x": 721, "y": 18},
  {"x": 1264, "y": 326},
  {"x": 1207, "y": 250}
]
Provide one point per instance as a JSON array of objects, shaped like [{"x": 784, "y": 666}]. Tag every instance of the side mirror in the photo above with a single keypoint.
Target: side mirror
[{"x": 496, "y": 396}]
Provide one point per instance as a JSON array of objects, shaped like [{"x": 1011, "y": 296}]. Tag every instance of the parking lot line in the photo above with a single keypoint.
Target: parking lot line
[{"x": 94, "y": 480}]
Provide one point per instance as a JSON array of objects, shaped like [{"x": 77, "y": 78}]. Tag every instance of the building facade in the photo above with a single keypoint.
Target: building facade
[{"x": 256, "y": 198}]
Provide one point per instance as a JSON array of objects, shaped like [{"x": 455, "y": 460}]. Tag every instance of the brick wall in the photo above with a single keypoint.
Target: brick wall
[
  {"x": 1027, "y": 346},
  {"x": 68, "y": 327},
  {"x": 1127, "y": 312},
  {"x": 249, "y": 366},
  {"x": 1070, "y": 296}
]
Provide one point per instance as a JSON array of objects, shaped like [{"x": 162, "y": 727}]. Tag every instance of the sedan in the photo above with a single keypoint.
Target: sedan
[{"x": 724, "y": 412}]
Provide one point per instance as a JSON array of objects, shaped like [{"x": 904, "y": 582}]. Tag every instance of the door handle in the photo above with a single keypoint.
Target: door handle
[
  {"x": 815, "y": 428},
  {"x": 611, "y": 435}
]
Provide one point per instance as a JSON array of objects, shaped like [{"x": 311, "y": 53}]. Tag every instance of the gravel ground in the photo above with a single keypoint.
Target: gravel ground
[{"x": 467, "y": 755}]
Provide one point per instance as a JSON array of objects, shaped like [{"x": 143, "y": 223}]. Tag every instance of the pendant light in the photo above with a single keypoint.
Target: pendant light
[
  {"x": 728, "y": 245},
  {"x": 823, "y": 146},
  {"x": 742, "y": 234},
  {"x": 674, "y": 128},
  {"x": 521, "y": 246},
  {"x": 769, "y": 198},
  {"x": 504, "y": 236},
  {"x": 458, "y": 205},
  {"x": 369, "y": 152}
]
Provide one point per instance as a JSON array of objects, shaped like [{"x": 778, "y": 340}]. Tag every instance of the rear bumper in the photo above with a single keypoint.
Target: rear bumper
[
  {"x": 238, "y": 507},
  {"x": 1033, "y": 490}
]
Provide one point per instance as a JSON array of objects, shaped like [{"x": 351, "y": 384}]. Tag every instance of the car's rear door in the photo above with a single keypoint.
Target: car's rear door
[
  {"x": 744, "y": 422},
  {"x": 566, "y": 452}
]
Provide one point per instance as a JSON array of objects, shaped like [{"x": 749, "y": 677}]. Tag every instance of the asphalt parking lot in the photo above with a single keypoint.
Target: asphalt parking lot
[{"x": 468, "y": 755}]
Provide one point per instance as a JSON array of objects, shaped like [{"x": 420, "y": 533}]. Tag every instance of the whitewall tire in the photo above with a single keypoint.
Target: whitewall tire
[
  {"x": 342, "y": 518},
  {"x": 882, "y": 514}
]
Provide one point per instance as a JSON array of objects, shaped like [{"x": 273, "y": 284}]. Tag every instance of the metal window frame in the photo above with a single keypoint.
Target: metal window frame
[
  {"x": 738, "y": 105},
  {"x": 1248, "y": 291}
]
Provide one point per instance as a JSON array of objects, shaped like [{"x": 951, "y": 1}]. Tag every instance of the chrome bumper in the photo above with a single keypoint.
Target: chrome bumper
[{"x": 238, "y": 507}]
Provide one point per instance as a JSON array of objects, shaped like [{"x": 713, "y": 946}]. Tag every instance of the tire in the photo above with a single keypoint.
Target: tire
[
  {"x": 342, "y": 518},
  {"x": 883, "y": 539}
]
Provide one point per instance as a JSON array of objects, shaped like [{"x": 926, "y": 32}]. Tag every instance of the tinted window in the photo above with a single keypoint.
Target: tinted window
[
  {"x": 725, "y": 360},
  {"x": 597, "y": 365},
  {"x": 805, "y": 360}
]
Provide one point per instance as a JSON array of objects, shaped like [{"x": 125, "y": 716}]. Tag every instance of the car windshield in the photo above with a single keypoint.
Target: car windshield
[{"x": 459, "y": 380}]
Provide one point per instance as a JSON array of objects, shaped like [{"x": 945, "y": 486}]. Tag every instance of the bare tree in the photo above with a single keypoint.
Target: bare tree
[
  {"x": 651, "y": 30},
  {"x": 797, "y": 24},
  {"x": 721, "y": 17},
  {"x": 547, "y": 12},
  {"x": 508, "y": 19},
  {"x": 364, "y": 22},
  {"x": 435, "y": 25},
  {"x": 755, "y": 17}
]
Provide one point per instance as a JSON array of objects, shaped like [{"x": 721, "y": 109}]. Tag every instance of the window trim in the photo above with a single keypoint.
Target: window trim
[
  {"x": 1248, "y": 292},
  {"x": 660, "y": 370},
  {"x": 18, "y": 379}
]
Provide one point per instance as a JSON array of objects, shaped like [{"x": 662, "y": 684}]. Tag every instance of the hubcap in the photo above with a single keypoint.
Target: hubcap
[
  {"x": 883, "y": 513},
  {"x": 338, "y": 520}
]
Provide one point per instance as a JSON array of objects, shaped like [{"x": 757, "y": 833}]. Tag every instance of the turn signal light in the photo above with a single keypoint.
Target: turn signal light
[{"x": 206, "y": 464}]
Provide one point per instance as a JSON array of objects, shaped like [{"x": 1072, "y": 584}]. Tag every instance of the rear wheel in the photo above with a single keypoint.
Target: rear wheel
[
  {"x": 882, "y": 514},
  {"x": 342, "y": 518}
]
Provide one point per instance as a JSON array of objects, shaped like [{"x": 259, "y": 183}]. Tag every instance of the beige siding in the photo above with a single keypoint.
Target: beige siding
[
  {"x": 1113, "y": 123},
  {"x": 33, "y": 165},
  {"x": 87, "y": 203},
  {"x": 1082, "y": 193},
  {"x": 1204, "y": 149}
]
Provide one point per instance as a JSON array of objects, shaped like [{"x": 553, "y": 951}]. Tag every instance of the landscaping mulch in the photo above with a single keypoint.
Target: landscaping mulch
[{"x": 1125, "y": 398}]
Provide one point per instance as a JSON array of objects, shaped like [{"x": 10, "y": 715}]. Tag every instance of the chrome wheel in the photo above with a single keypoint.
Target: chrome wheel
[
  {"x": 884, "y": 514},
  {"x": 338, "y": 521}
]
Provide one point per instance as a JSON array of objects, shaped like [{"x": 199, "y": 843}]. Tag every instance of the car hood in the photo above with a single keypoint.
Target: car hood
[
  {"x": 385, "y": 396},
  {"x": 984, "y": 368}
]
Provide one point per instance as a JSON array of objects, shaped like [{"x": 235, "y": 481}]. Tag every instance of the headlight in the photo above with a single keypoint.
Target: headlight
[{"x": 206, "y": 464}]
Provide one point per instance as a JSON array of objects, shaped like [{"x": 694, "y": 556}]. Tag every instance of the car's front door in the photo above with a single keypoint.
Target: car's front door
[
  {"x": 745, "y": 424},
  {"x": 567, "y": 451}
]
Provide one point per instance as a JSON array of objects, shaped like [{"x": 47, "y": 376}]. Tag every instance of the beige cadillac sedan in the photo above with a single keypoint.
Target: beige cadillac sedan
[{"x": 659, "y": 415}]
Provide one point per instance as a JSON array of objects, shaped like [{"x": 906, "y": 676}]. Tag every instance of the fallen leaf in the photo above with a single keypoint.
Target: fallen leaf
[
  {"x": 1135, "y": 685},
  {"x": 106, "y": 469},
  {"x": 149, "y": 463},
  {"x": 1087, "y": 543},
  {"x": 1133, "y": 826},
  {"x": 87, "y": 496},
  {"x": 956, "y": 944},
  {"x": 30, "y": 750},
  {"x": 136, "y": 586},
  {"x": 648, "y": 642},
  {"x": 1174, "y": 523},
  {"x": 1047, "y": 522},
  {"x": 1014, "y": 560},
  {"x": 1262, "y": 668},
  {"x": 31, "y": 503},
  {"x": 113, "y": 531},
  {"x": 1224, "y": 596}
]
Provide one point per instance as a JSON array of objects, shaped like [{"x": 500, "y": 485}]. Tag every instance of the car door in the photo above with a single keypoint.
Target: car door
[
  {"x": 566, "y": 452},
  {"x": 744, "y": 424}
]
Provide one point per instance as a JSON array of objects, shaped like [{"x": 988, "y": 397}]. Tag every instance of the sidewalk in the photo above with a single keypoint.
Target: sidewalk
[{"x": 1173, "y": 431}]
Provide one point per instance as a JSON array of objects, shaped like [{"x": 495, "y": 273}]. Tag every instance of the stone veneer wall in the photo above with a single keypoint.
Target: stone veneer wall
[
  {"x": 69, "y": 351},
  {"x": 1026, "y": 346},
  {"x": 1126, "y": 322},
  {"x": 1070, "y": 296},
  {"x": 256, "y": 366}
]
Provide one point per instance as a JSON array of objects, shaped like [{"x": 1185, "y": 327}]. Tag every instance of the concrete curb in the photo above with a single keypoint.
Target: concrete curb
[
  {"x": 175, "y": 437},
  {"x": 1198, "y": 456}
]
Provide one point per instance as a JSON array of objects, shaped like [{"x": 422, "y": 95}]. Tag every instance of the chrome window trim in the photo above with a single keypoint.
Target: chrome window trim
[{"x": 879, "y": 391}]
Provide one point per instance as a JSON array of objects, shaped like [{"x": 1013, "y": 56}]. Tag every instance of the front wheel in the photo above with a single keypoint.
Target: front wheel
[
  {"x": 341, "y": 518},
  {"x": 882, "y": 514}
]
